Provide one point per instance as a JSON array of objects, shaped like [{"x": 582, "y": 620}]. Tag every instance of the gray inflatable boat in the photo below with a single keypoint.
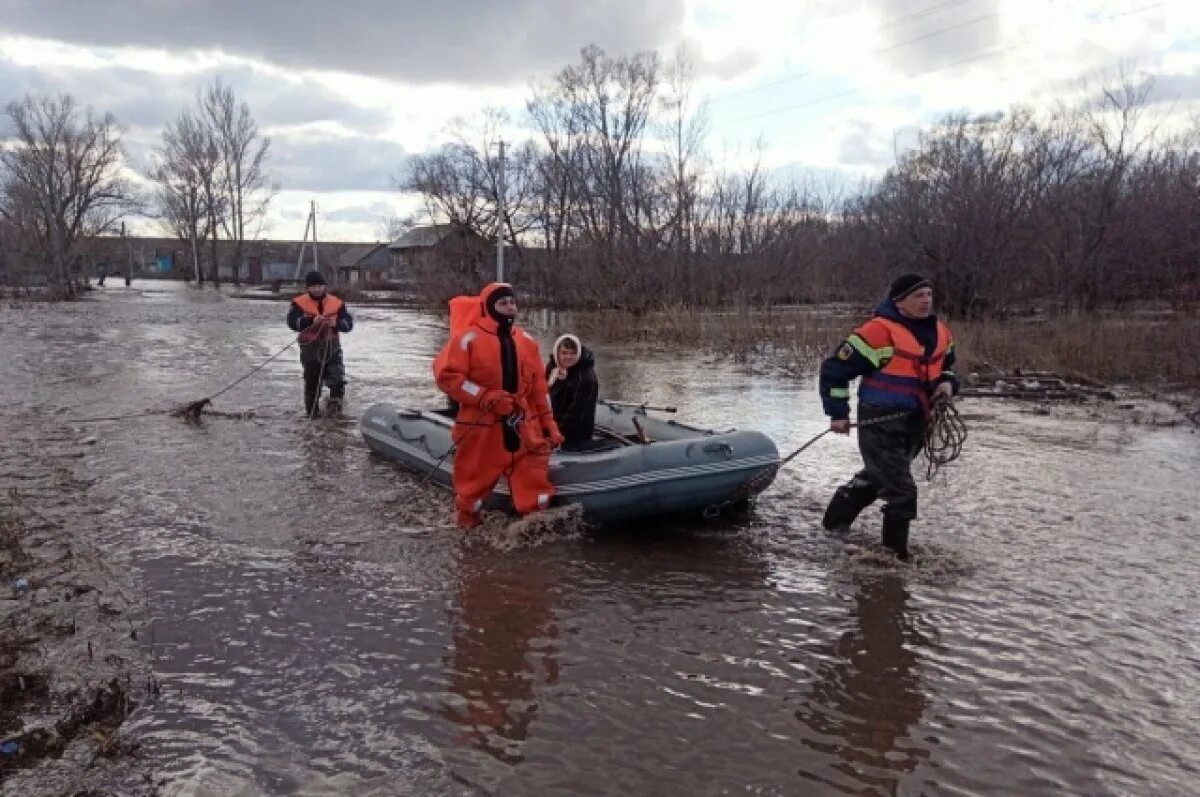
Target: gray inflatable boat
[{"x": 639, "y": 465}]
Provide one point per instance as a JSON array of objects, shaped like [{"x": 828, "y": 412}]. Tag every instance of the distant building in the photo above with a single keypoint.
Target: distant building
[
  {"x": 263, "y": 261},
  {"x": 366, "y": 263},
  {"x": 438, "y": 246}
]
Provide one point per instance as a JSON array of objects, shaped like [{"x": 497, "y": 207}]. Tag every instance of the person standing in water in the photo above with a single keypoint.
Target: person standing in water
[
  {"x": 504, "y": 425},
  {"x": 320, "y": 318},
  {"x": 905, "y": 358}
]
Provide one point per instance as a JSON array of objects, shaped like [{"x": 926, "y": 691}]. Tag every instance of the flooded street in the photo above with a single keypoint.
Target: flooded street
[{"x": 319, "y": 626}]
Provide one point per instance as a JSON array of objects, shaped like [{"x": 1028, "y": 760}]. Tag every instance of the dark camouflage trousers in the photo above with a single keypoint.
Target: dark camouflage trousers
[
  {"x": 322, "y": 363},
  {"x": 888, "y": 449}
]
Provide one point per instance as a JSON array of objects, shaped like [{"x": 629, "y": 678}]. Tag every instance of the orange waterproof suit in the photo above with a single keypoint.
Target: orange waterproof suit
[{"x": 497, "y": 432}]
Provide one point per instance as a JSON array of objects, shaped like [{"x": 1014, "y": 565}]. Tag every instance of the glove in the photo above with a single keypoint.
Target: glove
[
  {"x": 555, "y": 437},
  {"x": 497, "y": 402}
]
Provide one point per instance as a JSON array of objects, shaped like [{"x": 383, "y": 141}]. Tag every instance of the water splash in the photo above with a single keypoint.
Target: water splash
[{"x": 504, "y": 533}]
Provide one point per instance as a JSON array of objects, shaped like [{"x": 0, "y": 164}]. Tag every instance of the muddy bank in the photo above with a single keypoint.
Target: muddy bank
[{"x": 70, "y": 671}]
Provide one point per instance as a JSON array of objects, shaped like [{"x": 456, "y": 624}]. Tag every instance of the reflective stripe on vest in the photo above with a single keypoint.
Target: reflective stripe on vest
[
  {"x": 904, "y": 370},
  {"x": 329, "y": 307}
]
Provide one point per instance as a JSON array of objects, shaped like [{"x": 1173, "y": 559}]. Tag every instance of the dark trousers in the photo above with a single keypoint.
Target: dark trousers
[
  {"x": 888, "y": 449},
  {"x": 322, "y": 363}
]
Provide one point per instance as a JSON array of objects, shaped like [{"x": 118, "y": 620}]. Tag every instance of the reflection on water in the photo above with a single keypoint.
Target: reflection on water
[
  {"x": 503, "y": 645},
  {"x": 867, "y": 696},
  {"x": 319, "y": 627}
]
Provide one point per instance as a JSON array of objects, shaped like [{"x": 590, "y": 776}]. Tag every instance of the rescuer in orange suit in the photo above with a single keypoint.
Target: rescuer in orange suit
[{"x": 505, "y": 427}]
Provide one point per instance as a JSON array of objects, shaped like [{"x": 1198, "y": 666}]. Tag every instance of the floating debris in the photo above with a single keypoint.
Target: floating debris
[{"x": 1039, "y": 385}]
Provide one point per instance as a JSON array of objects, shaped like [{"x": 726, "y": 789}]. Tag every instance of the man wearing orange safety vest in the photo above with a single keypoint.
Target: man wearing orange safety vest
[
  {"x": 504, "y": 426},
  {"x": 319, "y": 318},
  {"x": 905, "y": 358}
]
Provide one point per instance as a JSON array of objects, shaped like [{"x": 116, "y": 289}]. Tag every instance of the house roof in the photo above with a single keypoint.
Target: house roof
[
  {"x": 425, "y": 235},
  {"x": 353, "y": 256}
]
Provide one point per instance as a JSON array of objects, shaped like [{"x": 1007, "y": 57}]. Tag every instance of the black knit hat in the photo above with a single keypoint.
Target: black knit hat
[
  {"x": 905, "y": 284},
  {"x": 314, "y": 278},
  {"x": 495, "y": 296}
]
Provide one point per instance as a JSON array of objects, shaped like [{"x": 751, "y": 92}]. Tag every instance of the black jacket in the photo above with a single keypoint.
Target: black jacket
[{"x": 574, "y": 398}]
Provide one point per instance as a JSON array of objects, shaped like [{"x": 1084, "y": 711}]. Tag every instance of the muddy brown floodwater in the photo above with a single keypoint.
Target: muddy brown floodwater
[{"x": 319, "y": 627}]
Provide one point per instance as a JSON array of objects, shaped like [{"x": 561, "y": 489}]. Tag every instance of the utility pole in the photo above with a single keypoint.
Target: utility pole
[
  {"x": 311, "y": 222},
  {"x": 500, "y": 216},
  {"x": 196, "y": 259},
  {"x": 128, "y": 249},
  {"x": 316, "y": 252}
]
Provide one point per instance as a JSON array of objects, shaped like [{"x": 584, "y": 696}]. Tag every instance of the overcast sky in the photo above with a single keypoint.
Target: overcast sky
[{"x": 347, "y": 91}]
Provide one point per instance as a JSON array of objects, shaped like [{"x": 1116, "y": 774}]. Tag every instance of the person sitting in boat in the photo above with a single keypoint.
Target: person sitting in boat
[
  {"x": 504, "y": 426},
  {"x": 319, "y": 317},
  {"x": 571, "y": 375}
]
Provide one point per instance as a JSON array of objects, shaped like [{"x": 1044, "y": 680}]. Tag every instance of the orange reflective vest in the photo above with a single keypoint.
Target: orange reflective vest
[
  {"x": 906, "y": 376},
  {"x": 327, "y": 307}
]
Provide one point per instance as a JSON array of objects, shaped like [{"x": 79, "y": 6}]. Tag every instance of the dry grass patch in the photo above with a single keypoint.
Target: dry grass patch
[{"x": 1136, "y": 349}]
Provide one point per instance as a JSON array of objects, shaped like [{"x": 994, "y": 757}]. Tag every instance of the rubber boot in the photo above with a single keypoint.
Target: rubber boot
[
  {"x": 311, "y": 395},
  {"x": 847, "y": 502},
  {"x": 337, "y": 397},
  {"x": 895, "y": 535},
  {"x": 468, "y": 520}
]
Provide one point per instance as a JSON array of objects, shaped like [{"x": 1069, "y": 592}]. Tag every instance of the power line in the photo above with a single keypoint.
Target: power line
[
  {"x": 937, "y": 33},
  {"x": 904, "y": 20},
  {"x": 951, "y": 65},
  {"x": 889, "y": 24}
]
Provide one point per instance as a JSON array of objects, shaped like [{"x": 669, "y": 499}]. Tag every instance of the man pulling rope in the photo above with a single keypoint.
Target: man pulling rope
[{"x": 905, "y": 358}]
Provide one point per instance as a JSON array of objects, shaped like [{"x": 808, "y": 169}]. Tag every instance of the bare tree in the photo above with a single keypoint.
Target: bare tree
[
  {"x": 243, "y": 183},
  {"x": 610, "y": 102},
  {"x": 61, "y": 180},
  {"x": 683, "y": 130},
  {"x": 453, "y": 184},
  {"x": 187, "y": 200},
  {"x": 393, "y": 227},
  {"x": 1086, "y": 204},
  {"x": 461, "y": 181},
  {"x": 1081, "y": 218},
  {"x": 956, "y": 206}
]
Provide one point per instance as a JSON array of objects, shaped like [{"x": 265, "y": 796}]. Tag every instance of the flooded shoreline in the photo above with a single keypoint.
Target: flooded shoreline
[
  {"x": 71, "y": 673},
  {"x": 320, "y": 627}
]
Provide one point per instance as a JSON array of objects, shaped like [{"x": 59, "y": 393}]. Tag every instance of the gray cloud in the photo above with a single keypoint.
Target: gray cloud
[
  {"x": 1173, "y": 88},
  {"x": 145, "y": 102},
  {"x": 1160, "y": 89},
  {"x": 361, "y": 214},
  {"x": 293, "y": 214},
  {"x": 335, "y": 164},
  {"x": 919, "y": 39},
  {"x": 730, "y": 65},
  {"x": 869, "y": 145},
  {"x": 470, "y": 41},
  {"x": 145, "y": 99},
  {"x": 860, "y": 147}
]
